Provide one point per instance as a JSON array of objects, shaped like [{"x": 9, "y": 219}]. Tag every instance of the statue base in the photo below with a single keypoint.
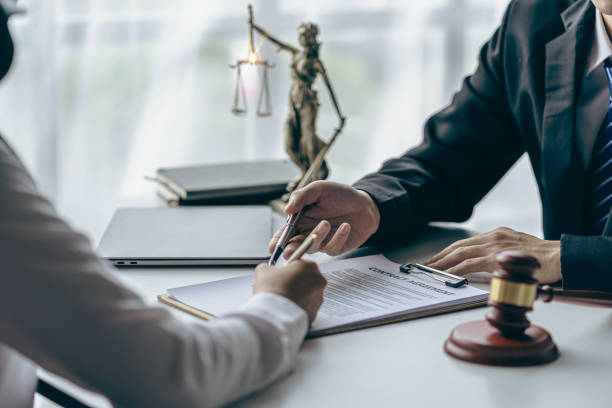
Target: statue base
[{"x": 479, "y": 342}]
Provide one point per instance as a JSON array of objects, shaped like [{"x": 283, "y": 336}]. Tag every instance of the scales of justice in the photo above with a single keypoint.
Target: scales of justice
[{"x": 302, "y": 144}]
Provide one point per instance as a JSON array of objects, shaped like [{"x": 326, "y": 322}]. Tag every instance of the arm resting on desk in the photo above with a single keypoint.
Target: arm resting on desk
[
  {"x": 585, "y": 262},
  {"x": 61, "y": 308}
]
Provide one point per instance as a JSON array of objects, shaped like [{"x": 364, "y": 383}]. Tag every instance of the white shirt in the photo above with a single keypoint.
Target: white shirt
[
  {"x": 61, "y": 309},
  {"x": 594, "y": 93}
]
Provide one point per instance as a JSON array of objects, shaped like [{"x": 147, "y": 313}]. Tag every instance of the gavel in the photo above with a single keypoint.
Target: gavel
[{"x": 506, "y": 337}]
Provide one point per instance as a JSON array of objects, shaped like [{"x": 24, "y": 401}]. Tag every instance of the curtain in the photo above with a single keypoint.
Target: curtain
[{"x": 103, "y": 92}]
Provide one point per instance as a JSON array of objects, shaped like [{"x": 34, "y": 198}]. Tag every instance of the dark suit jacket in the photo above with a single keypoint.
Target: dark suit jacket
[{"x": 522, "y": 98}]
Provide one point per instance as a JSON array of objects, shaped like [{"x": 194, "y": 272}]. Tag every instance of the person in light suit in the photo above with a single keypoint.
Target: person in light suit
[
  {"x": 62, "y": 309},
  {"x": 542, "y": 86}
]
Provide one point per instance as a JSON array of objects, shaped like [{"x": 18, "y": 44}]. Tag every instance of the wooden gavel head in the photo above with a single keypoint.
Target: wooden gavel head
[
  {"x": 513, "y": 291},
  {"x": 506, "y": 337}
]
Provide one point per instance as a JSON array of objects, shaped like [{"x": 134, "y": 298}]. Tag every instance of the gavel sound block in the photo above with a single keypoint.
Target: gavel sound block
[{"x": 506, "y": 337}]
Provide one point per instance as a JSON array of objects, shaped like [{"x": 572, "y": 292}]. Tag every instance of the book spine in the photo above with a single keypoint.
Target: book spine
[
  {"x": 169, "y": 196},
  {"x": 169, "y": 184}
]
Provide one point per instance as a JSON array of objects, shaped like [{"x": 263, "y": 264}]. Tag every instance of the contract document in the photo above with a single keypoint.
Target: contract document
[{"x": 360, "y": 292}]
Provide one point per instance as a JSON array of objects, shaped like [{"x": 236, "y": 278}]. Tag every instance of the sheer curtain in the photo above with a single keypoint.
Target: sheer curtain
[{"x": 105, "y": 91}]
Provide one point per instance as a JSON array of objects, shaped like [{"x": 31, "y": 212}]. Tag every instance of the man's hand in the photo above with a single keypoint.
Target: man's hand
[
  {"x": 343, "y": 217},
  {"x": 477, "y": 254},
  {"x": 299, "y": 281}
]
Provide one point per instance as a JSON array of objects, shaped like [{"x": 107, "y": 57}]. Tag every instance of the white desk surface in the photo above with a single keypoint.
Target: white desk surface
[{"x": 403, "y": 364}]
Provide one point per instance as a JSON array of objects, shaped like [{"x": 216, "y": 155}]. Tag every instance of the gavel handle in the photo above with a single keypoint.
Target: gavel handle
[{"x": 585, "y": 297}]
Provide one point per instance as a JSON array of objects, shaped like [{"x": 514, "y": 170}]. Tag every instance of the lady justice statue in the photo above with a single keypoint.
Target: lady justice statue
[{"x": 302, "y": 144}]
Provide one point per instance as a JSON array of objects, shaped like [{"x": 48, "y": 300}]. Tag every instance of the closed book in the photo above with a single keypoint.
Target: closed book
[
  {"x": 258, "y": 179},
  {"x": 172, "y": 199}
]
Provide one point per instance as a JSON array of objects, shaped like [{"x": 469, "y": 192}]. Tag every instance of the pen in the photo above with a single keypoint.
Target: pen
[
  {"x": 451, "y": 280},
  {"x": 302, "y": 249},
  {"x": 291, "y": 223}
]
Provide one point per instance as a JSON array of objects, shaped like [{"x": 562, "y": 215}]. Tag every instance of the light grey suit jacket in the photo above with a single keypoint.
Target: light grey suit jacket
[{"x": 60, "y": 308}]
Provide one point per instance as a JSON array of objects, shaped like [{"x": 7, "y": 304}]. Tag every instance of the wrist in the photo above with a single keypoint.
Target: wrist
[
  {"x": 290, "y": 320},
  {"x": 556, "y": 256},
  {"x": 274, "y": 302},
  {"x": 371, "y": 209},
  {"x": 552, "y": 262}
]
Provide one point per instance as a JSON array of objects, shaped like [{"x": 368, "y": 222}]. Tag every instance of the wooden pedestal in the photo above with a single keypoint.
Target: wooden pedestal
[{"x": 479, "y": 342}]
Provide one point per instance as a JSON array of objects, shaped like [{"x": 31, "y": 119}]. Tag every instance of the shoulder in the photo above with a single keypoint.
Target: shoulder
[
  {"x": 10, "y": 164},
  {"x": 544, "y": 6},
  {"x": 540, "y": 16},
  {"x": 528, "y": 25},
  {"x": 16, "y": 183}
]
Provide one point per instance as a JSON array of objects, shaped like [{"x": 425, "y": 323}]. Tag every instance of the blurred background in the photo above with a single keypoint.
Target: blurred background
[{"x": 103, "y": 92}]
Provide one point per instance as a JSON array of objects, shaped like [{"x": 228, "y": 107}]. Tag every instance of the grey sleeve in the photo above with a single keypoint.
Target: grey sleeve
[{"x": 62, "y": 309}]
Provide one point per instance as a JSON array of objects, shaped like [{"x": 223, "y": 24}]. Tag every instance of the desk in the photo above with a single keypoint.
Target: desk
[{"x": 403, "y": 364}]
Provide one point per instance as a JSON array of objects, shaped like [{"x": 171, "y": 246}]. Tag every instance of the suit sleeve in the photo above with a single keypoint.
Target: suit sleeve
[
  {"x": 467, "y": 147},
  {"x": 61, "y": 308},
  {"x": 585, "y": 262}
]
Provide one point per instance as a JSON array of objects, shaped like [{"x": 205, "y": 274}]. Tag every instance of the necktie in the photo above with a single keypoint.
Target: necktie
[{"x": 600, "y": 167}]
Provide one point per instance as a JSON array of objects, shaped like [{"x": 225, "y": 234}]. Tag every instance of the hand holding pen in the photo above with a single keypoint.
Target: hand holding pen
[
  {"x": 342, "y": 217},
  {"x": 286, "y": 233},
  {"x": 299, "y": 281}
]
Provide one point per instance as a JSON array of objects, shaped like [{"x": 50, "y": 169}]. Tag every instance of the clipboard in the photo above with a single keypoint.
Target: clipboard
[
  {"x": 361, "y": 292},
  {"x": 185, "y": 308},
  {"x": 164, "y": 298}
]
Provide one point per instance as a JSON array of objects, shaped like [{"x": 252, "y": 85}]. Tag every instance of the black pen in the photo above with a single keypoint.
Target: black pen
[{"x": 287, "y": 234}]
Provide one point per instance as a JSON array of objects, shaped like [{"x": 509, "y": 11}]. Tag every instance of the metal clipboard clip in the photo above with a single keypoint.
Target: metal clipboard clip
[{"x": 448, "y": 279}]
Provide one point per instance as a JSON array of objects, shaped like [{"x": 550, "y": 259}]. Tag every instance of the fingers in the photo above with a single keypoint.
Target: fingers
[
  {"x": 309, "y": 287},
  {"x": 336, "y": 244},
  {"x": 322, "y": 230},
  {"x": 299, "y": 281},
  {"x": 303, "y": 197},
  {"x": 481, "y": 264},
  {"x": 305, "y": 225},
  {"x": 459, "y": 255},
  {"x": 497, "y": 235},
  {"x": 275, "y": 238},
  {"x": 476, "y": 254},
  {"x": 453, "y": 247},
  {"x": 293, "y": 244},
  {"x": 333, "y": 246},
  {"x": 298, "y": 267}
]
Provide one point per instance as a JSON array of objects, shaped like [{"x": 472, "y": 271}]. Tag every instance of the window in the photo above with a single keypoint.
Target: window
[{"x": 105, "y": 91}]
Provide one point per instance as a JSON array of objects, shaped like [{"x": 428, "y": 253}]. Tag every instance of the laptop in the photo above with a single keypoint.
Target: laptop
[{"x": 207, "y": 235}]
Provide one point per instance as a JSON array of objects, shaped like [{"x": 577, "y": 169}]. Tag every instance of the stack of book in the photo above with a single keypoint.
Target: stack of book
[{"x": 252, "y": 182}]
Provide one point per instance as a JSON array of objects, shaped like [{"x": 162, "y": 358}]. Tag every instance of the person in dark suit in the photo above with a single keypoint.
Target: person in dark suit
[{"x": 541, "y": 87}]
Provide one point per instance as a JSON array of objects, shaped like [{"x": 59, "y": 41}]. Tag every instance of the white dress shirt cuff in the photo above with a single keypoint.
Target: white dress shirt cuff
[{"x": 290, "y": 320}]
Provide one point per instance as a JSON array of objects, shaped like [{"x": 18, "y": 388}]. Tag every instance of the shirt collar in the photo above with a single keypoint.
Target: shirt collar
[{"x": 601, "y": 48}]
